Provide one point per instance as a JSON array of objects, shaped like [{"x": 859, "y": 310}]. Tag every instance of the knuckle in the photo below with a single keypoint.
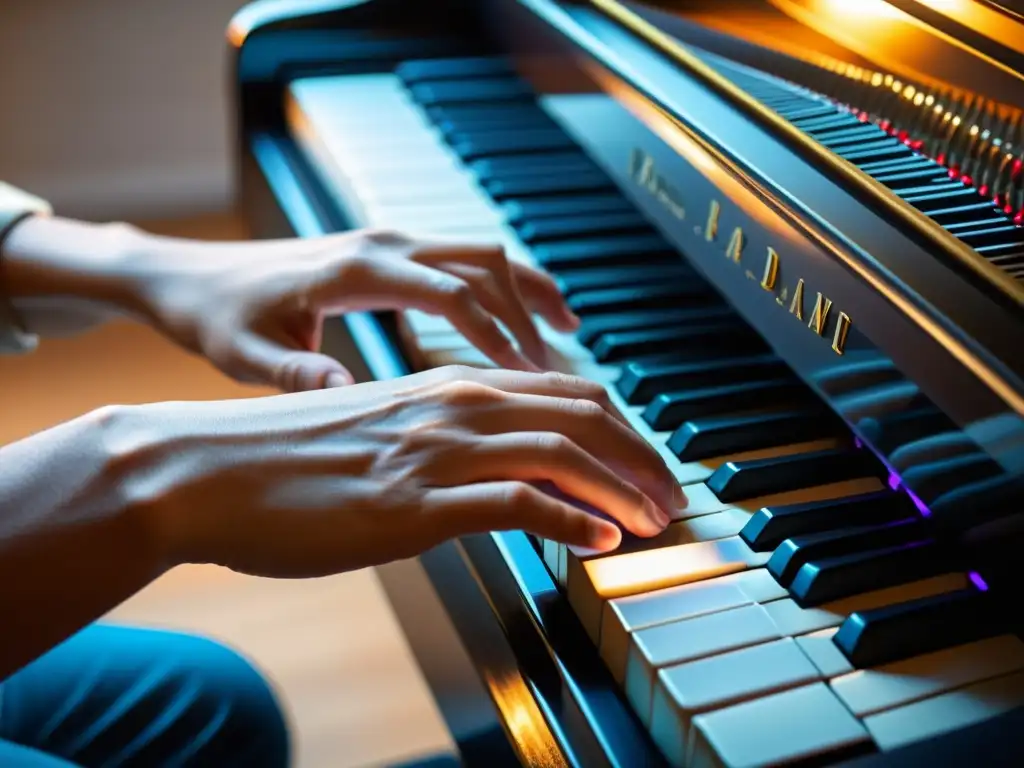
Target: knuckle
[
  {"x": 564, "y": 382},
  {"x": 462, "y": 393},
  {"x": 554, "y": 443},
  {"x": 518, "y": 495},
  {"x": 587, "y": 409},
  {"x": 385, "y": 237}
]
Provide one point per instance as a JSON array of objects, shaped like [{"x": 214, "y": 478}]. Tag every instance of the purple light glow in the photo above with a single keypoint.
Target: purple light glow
[
  {"x": 858, "y": 442},
  {"x": 894, "y": 480},
  {"x": 919, "y": 504},
  {"x": 979, "y": 582}
]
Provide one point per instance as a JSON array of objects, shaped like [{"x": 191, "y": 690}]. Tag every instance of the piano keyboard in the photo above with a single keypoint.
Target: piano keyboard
[{"x": 798, "y": 608}]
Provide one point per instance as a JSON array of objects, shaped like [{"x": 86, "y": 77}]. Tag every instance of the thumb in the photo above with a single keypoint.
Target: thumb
[{"x": 290, "y": 369}]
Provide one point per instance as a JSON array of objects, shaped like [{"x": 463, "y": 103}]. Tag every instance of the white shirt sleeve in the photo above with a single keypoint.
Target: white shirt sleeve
[{"x": 15, "y": 205}]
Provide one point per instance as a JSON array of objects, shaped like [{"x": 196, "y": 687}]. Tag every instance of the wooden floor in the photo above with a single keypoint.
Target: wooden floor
[{"x": 331, "y": 646}]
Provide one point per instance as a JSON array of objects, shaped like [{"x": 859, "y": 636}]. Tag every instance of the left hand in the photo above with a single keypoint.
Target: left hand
[{"x": 256, "y": 310}]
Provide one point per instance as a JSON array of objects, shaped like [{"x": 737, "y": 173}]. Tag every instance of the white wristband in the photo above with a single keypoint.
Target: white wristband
[{"x": 15, "y": 205}]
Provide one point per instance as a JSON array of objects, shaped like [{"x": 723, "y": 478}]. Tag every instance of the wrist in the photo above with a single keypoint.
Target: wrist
[
  {"x": 133, "y": 468},
  {"x": 105, "y": 265}
]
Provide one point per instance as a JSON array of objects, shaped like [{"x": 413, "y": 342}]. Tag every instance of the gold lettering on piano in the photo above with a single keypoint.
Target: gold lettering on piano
[
  {"x": 735, "y": 248},
  {"x": 842, "y": 331},
  {"x": 645, "y": 173},
  {"x": 711, "y": 228},
  {"x": 819, "y": 315},
  {"x": 796, "y": 306},
  {"x": 771, "y": 270}
]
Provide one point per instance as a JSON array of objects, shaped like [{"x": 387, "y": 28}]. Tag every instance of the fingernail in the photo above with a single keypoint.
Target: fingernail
[
  {"x": 656, "y": 514},
  {"x": 679, "y": 500},
  {"x": 336, "y": 379},
  {"x": 605, "y": 538}
]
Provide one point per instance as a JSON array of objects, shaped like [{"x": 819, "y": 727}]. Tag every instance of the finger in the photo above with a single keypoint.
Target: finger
[
  {"x": 594, "y": 430},
  {"x": 541, "y": 294},
  {"x": 550, "y": 384},
  {"x": 510, "y": 506},
  {"x": 404, "y": 284},
  {"x": 487, "y": 270},
  {"x": 499, "y": 296},
  {"x": 289, "y": 369},
  {"x": 537, "y": 457}
]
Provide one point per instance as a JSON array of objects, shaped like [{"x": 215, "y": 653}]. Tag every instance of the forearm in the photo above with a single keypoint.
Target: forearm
[
  {"x": 72, "y": 547},
  {"x": 63, "y": 276}
]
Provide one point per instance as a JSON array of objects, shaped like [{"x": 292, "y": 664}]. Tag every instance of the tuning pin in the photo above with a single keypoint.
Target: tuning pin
[
  {"x": 948, "y": 130},
  {"x": 931, "y": 131},
  {"x": 989, "y": 153},
  {"x": 976, "y": 138}
]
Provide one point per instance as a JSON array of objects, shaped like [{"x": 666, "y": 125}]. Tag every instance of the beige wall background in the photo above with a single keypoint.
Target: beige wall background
[{"x": 116, "y": 108}]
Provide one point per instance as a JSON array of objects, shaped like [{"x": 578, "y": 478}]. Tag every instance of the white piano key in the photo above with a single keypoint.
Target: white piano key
[
  {"x": 948, "y": 712},
  {"x": 824, "y": 653},
  {"x": 688, "y": 640},
  {"x": 627, "y": 615},
  {"x": 687, "y": 690},
  {"x": 798, "y": 724},
  {"x": 592, "y": 582},
  {"x": 867, "y": 691}
]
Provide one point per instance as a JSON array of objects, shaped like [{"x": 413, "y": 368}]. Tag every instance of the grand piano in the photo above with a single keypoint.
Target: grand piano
[{"x": 792, "y": 229}]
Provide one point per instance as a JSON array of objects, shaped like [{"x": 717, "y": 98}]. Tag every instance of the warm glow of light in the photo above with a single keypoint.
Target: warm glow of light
[
  {"x": 524, "y": 721},
  {"x": 622, "y": 575},
  {"x": 860, "y": 8}
]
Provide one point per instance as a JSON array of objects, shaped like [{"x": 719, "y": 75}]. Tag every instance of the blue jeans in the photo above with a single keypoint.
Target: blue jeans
[{"x": 122, "y": 697}]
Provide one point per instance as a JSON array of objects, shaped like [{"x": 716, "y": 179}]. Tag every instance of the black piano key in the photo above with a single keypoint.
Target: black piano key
[
  {"x": 593, "y": 328},
  {"x": 937, "y": 478},
  {"x": 771, "y": 526},
  {"x": 495, "y": 123},
  {"x": 858, "y": 376},
  {"x": 544, "y": 230},
  {"x": 442, "y": 92},
  {"x": 410, "y": 72},
  {"x": 792, "y": 553},
  {"x": 474, "y": 146},
  {"x": 604, "y": 251},
  {"x": 978, "y": 503},
  {"x": 723, "y": 435},
  {"x": 517, "y": 211},
  {"x": 834, "y": 578},
  {"x": 507, "y": 168},
  {"x": 748, "y": 479},
  {"x": 883, "y": 635},
  {"x": 1002, "y": 252},
  {"x": 667, "y": 411},
  {"x": 537, "y": 184},
  {"x": 642, "y": 382},
  {"x": 731, "y": 337},
  {"x": 606, "y": 300},
  {"x": 894, "y": 430},
  {"x": 574, "y": 281}
]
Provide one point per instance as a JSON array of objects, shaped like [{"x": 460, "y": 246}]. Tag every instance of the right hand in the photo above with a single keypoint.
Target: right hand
[{"x": 326, "y": 481}]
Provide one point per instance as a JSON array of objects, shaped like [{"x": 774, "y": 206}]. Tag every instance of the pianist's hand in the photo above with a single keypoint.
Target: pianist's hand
[
  {"x": 318, "y": 482},
  {"x": 256, "y": 309}
]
